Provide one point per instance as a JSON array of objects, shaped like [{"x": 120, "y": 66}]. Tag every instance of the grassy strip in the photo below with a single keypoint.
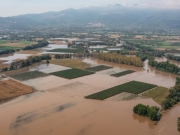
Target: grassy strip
[
  {"x": 29, "y": 75},
  {"x": 131, "y": 87},
  {"x": 158, "y": 94},
  {"x": 73, "y": 63},
  {"x": 72, "y": 73},
  {"x": 66, "y": 50},
  {"x": 123, "y": 73},
  {"x": 98, "y": 68}
]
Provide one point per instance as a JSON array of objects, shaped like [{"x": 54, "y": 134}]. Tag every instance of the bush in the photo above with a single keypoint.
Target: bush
[{"x": 151, "y": 112}]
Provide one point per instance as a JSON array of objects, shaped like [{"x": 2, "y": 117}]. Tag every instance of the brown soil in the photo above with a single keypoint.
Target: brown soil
[
  {"x": 10, "y": 89},
  {"x": 35, "y": 51},
  {"x": 38, "y": 39},
  {"x": 58, "y": 42}
]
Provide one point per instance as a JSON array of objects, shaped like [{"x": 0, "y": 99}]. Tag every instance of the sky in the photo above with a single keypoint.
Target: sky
[{"x": 19, "y": 7}]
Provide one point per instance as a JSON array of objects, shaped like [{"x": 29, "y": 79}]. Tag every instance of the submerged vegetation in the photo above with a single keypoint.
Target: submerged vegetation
[
  {"x": 123, "y": 73},
  {"x": 72, "y": 73},
  {"x": 130, "y": 87},
  {"x": 29, "y": 75},
  {"x": 147, "y": 111}
]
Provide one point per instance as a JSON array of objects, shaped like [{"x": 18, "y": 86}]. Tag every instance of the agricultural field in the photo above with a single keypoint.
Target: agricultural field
[
  {"x": 98, "y": 68},
  {"x": 72, "y": 73},
  {"x": 6, "y": 44},
  {"x": 158, "y": 94},
  {"x": 73, "y": 63},
  {"x": 156, "y": 43},
  {"x": 133, "y": 87},
  {"x": 123, "y": 73},
  {"x": 11, "y": 89},
  {"x": 29, "y": 75},
  {"x": 66, "y": 50}
]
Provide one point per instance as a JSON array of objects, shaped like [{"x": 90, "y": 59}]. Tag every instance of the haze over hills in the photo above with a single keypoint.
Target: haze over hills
[{"x": 112, "y": 16}]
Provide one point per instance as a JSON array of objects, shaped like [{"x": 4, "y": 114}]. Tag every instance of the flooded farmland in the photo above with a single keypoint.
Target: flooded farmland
[{"x": 59, "y": 106}]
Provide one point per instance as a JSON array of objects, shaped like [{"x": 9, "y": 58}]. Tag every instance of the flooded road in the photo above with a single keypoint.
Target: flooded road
[{"x": 59, "y": 107}]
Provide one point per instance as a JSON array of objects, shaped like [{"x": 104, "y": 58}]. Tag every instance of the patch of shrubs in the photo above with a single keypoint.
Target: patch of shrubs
[{"x": 147, "y": 111}]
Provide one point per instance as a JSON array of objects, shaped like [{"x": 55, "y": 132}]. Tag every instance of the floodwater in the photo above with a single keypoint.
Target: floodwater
[
  {"x": 113, "y": 49},
  {"x": 13, "y": 57},
  {"x": 163, "y": 59},
  {"x": 55, "y": 46},
  {"x": 53, "y": 113},
  {"x": 60, "y": 107},
  {"x": 152, "y": 76}
]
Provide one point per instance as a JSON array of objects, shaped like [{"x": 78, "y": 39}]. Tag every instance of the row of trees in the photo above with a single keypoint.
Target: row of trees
[
  {"x": 120, "y": 59},
  {"x": 173, "y": 97},
  {"x": 172, "y": 57},
  {"x": 148, "y": 50},
  {"x": 7, "y": 51},
  {"x": 147, "y": 111},
  {"x": 165, "y": 66},
  {"x": 40, "y": 44},
  {"x": 29, "y": 61}
]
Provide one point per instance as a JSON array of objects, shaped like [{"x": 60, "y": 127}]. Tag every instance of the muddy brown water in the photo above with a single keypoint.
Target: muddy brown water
[
  {"x": 52, "y": 113},
  {"x": 63, "y": 110}
]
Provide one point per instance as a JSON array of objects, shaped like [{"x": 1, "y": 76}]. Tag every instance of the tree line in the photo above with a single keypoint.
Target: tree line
[
  {"x": 165, "y": 66},
  {"x": 172, "y": 57},
  {"x": 120, "y": 59},
  {"x": 147, "y": 111},
  {"x": 29, "y": 61},
  {"x": 7, "y": 51},
  {"x": 42, "y": 43},
  {"x": 173, "y": 97}
]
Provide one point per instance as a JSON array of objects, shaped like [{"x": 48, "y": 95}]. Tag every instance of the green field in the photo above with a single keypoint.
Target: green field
[
  {"x": 130, "y": 87},
  {"x": 9, "y": 47},
  {"x": 123, "y": 73},
  {"x": 66, "y": 50},
  {"x": 3, "y": 41},
  {"x": 6, "y": 44},
  {"x": 72, "y": 73},
  {"x": 98, "y": 68},
  {"x": 29, "y": 75}
]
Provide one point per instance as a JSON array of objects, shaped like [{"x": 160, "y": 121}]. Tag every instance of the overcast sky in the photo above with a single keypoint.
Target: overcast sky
[{"x": 17, "y": 7}]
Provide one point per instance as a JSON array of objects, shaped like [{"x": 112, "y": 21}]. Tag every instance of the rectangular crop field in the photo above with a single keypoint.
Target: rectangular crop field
[
  {"x": 72, "y": 73},
  {"x": 98, "y": 68},
  {"x": 123, "y": 73},
  {"x": 66, "y": 50},
  {"x": 158, "y": 94},
  {"x": 131, "y": 87},
  {"x": 29, "y": 75}
]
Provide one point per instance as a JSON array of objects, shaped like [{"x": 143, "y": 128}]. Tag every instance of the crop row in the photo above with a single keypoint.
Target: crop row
[
  {"x": 72, "y": 73},
  {"x": 123, "y": 73},
  {"x": 98, "y": 68},
  {"x": 131, "y": 87}
]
